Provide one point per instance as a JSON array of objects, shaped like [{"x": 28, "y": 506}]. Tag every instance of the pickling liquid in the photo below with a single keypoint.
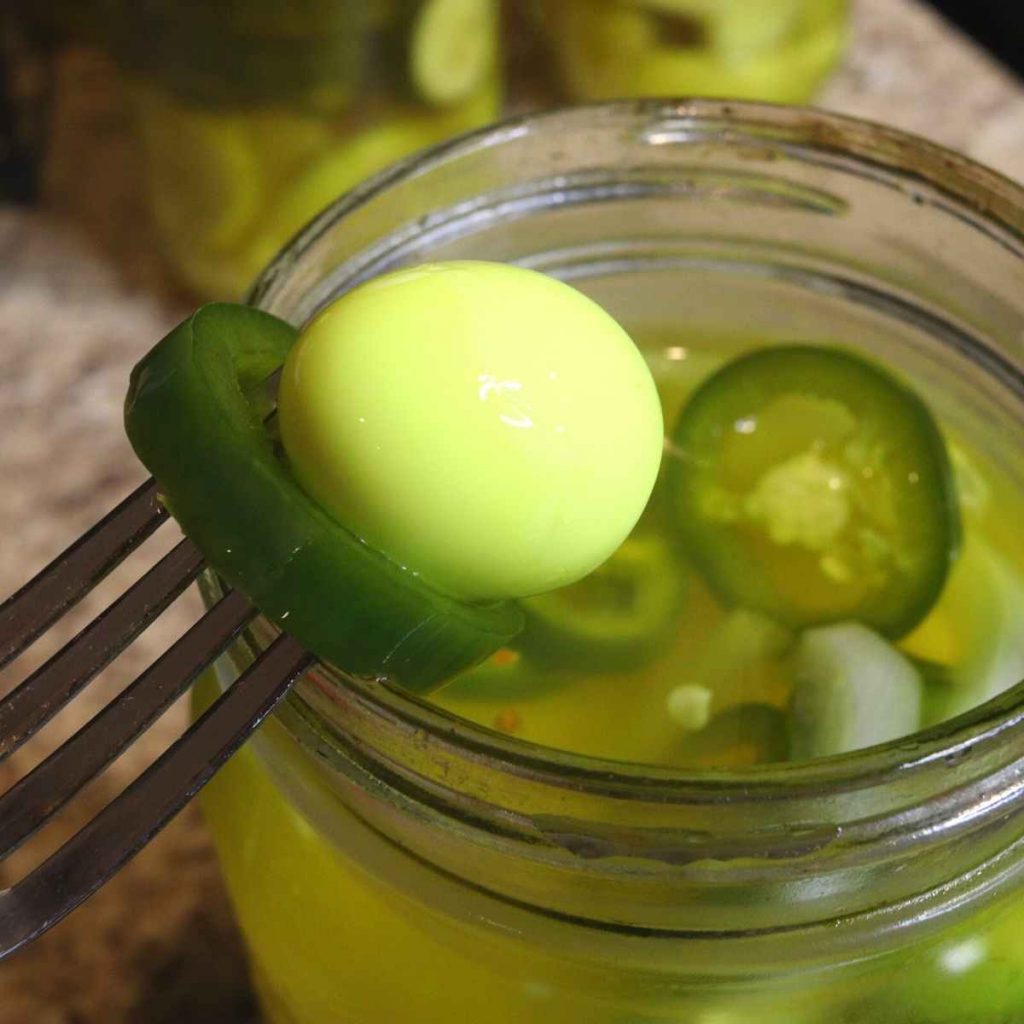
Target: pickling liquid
[
  {"x": 344, "y": 929},
  {"x": 975, "y": 629}
]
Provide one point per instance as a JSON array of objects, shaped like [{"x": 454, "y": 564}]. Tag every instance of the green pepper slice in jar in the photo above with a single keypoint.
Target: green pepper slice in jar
[
  {"x": 811, "y": 485},
  {"x": 193, "y": 417},
  {"x": 745, "y": 734},
  {"x": 620, "y": 617}
]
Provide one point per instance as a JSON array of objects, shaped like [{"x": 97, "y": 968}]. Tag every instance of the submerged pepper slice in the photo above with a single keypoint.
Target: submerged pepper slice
[
  {"x": 812, "y": 486},
  {"x": 623, "y": 615},
  {"x": 194, "y": 415}
]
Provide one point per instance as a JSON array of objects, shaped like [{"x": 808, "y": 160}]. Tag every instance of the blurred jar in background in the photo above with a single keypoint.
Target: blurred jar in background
[
  {"x": 255, "y": 114},
  {"x": 778, "y": 50}
]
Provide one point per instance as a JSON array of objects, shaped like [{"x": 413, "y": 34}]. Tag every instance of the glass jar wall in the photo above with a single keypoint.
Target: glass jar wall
[{"x": 390, "y": 861}]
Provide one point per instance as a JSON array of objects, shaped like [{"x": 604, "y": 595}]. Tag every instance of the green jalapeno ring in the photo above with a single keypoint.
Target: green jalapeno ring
[
  {"x": 622, "y": 616},
  {"x": 191, "y": 418},
  {"x": 812, "y": 485}
]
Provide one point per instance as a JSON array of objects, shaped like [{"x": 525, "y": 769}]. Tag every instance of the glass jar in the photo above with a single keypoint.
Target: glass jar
[
  {"x": 254, "y": 115},
  {"x": 777, "y": 50},
  {"x": 391, "y": 862}
]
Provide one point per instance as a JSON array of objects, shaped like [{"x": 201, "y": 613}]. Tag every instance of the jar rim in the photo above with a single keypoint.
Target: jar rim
[{"x": 993, "y": 196}]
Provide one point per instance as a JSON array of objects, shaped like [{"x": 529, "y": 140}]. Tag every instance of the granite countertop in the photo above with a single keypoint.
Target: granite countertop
[{"x": 81, "y": 296}]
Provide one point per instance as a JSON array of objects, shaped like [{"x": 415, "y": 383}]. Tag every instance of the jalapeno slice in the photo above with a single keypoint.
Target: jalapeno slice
[
  {"x": 813, "y": 486},
  {"x": 193, "y": 417},
  {"x": 620, "y": 617},
  {"x": 744, "y": 734}
]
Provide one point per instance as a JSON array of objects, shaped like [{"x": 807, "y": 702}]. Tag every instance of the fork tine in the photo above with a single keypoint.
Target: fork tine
[
  {"x": 125, "y": 825},
  {"x": 27, "y": 708},
  {"x": 29, "y": 804},
  {"x": 43, "y": 600}
]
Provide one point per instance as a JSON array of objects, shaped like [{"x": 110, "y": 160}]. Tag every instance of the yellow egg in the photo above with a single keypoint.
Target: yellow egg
[{"x": 485, "y": 426}]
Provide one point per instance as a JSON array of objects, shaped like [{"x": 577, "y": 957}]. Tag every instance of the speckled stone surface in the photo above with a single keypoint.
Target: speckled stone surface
[{"x": 81, "y": 296}]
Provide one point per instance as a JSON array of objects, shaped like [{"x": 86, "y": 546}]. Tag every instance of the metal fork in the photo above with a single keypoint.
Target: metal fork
[{"x": 96, "y": 852}]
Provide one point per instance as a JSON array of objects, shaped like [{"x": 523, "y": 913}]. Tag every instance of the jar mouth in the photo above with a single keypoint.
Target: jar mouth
[
  {"x": 944, "y": 800},
  {"x": 994, "y": 198}
]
